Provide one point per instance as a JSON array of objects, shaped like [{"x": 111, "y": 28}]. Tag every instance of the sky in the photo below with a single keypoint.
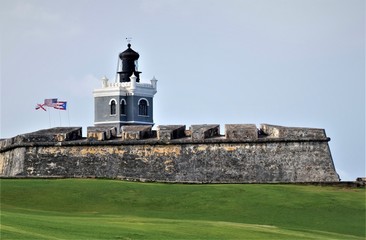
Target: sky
[{"x": 297, "y": 63}]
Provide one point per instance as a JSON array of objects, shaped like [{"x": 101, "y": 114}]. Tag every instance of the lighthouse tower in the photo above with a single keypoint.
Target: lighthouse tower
[{"x": 126, "y": 101}]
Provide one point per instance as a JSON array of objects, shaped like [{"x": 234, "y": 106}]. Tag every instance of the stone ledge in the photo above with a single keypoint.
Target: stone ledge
[
  {"x": 136, "y": 132},
  {"x": 170, "y": 132},
  {"x": 241, "y": 131},
  {"x": 154, "y": 141},
  {"x": 274, "y": 131},
  {"x": 101, "y": 133},
  {"x": 58, "y": 134},
  {"x": 200, "y": 132},
  {"x": 174, "y": 134},
  {"x": 341, "y": 184}
]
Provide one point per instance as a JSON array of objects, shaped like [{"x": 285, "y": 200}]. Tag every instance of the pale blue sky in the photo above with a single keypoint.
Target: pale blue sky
[{"x": 287, "y": 62}]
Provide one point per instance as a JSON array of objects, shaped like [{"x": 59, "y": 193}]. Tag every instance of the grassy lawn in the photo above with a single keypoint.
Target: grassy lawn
[{"x": 108, "y": 209}]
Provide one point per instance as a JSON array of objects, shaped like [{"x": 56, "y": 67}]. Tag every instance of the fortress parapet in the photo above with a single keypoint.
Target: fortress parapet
[
  {"x": 52, "y": 136},
  {"x": 101, "y": 133},
  {"x": 170, "y": 132},
  {"x": 136, "y": 132},
  {"x": 241, "y": 131},
  {"x": 172, "y": 153},
  {"x": 273, "y": 131},
  {"x": 201, "y": 132},
  {"x": 209, "y": 133}
]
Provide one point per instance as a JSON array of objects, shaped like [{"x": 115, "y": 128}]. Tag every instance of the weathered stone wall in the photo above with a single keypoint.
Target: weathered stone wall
[
  {"x": 12, "y": 162},
  {"x": 216, "y": 159}
]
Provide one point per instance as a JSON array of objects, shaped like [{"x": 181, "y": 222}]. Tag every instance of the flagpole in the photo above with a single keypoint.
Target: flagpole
[
  {"x": 59, "y": 114},
  {"x": 49, "y": 119},
  {"x": 68, "y": 115}
]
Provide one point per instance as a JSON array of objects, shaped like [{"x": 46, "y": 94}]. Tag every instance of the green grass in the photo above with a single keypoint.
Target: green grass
[{"x": 108, "y": 209}]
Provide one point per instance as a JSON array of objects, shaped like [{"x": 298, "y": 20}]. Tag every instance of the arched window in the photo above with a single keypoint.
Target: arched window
[
  {"x": 112, "y": 104},
  {"x": 143, "y": 107},
  {"x": 123, "y": 107}
]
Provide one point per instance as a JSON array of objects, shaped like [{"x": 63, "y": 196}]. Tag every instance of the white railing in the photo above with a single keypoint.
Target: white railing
[
  {"x": 145, "y": 85},
  {"x": 128, "y": 85}
]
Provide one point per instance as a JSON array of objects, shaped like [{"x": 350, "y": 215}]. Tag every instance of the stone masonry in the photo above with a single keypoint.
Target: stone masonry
[{"x": 200, "y": 154}]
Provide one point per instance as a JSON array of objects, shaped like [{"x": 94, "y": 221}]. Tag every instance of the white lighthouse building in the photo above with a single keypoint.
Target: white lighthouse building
[{"x": 126, "y": 101}]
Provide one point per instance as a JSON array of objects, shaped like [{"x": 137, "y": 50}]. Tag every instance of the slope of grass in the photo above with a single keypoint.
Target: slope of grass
[{"x": 107, "y": 209}]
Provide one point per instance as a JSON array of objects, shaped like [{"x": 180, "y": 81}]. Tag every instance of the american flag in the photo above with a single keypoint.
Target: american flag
[
  {"x": 50, "y": 102},
  {"x": 60, "y": 105}
]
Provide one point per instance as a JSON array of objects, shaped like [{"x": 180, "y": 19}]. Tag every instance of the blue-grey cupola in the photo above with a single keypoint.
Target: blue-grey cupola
[
  {"x": 126, "y": 101},
  {"x": 129, "y": 64}
]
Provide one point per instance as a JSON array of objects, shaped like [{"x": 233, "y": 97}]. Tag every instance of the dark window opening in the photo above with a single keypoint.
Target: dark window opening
[
  {"x": 123, "y": 107},
  {"x": 143, "y": 107},
  {"x": 113, "y": 107}
]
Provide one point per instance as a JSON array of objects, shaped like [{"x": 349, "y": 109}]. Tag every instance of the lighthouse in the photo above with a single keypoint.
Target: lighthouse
[{"x": 126, "y": 100}]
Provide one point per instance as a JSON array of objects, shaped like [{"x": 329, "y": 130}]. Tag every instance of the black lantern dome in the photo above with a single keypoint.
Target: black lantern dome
[
  {"x": 129, "y": 65},
  {"x": 129, "y": 54}
]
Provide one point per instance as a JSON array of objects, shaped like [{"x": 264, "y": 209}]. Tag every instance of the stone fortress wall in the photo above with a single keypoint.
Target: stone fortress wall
[{"x": 173, "y": 153}]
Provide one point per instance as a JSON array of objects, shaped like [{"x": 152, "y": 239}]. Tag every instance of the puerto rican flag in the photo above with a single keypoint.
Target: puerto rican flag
[{"x": 60, "y": 105}]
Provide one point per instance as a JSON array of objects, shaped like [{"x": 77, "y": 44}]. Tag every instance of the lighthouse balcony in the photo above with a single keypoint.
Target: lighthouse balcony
[{"x": 127, "y": 85}]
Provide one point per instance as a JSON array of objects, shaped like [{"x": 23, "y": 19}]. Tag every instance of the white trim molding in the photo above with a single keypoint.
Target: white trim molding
[
  {"x": 129, "y": 122},
  {"x": 123, "y": 89},
  {"x": 110, "y": 101}
]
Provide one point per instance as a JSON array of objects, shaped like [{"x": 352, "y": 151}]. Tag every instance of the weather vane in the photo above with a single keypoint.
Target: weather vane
[{"x": 128, "y": 39}]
